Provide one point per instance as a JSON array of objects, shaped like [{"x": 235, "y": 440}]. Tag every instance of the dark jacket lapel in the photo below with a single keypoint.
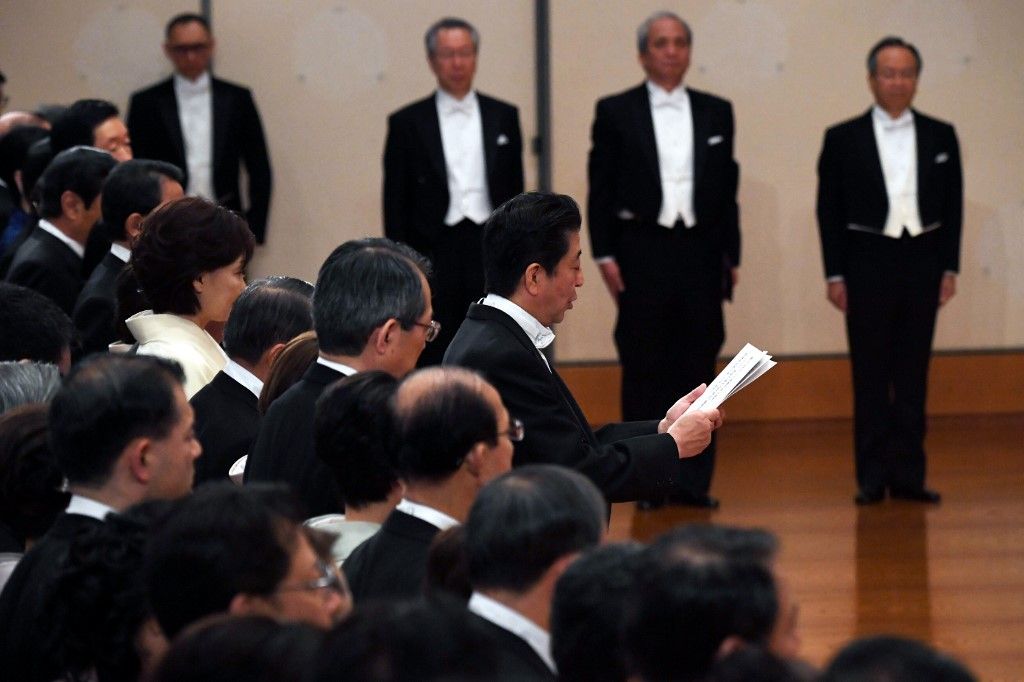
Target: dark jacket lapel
[
  {"x": 489, "y": 127},
  {"x": 701, "y": 131},
  {"x": 172, "y": 123},
  {"x": 430, "y": 133},
  {"x": 868, "y": 146},
  {"x": 644, "y": 123},
  {"x": 221, "y": 98}
]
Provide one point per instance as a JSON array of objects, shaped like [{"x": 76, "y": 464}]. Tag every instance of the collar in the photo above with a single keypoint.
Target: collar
[
  {"x": 661, "y": 97},
  {"x": 199, "y": 86},
  {"x": 519, "y": 625},
  {"x": 540, "y": 335},
  {"x": 244, "y": 377},
  {"x": 50, "y": 228},
  {"x": 336, "y": 366},
  {"x": 85, "y": 506},
  {"x": 122, "y": 253},
  {"x": 424, "y": 513},
  {"x": 447, "y": 104},
  {"x": 887, "y": 122}
]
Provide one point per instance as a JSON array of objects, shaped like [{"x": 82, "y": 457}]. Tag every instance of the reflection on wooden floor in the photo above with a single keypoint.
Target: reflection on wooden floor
[{"x": 952, "y": 574}]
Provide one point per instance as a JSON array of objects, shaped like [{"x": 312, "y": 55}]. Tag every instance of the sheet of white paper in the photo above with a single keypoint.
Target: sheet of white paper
[{"x": 744, "y": 369}]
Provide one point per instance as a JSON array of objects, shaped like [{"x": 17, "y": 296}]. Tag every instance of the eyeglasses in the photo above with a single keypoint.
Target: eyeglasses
[
  {"x": 329, "y": 579},
  {"x": 433, "y": 329},
  {"x": 516, "y": 430}
]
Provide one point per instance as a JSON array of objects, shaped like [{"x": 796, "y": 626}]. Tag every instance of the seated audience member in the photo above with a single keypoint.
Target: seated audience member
[
  {"x": 448, "y": 566},
  {"x": 532, "y": 269},
  {"x": 121, "y": 431},
  {"x": 291, "y": 363},
  {"x": 131, "y": 191},
  {"x": 37, "y": 159},
  {"x": 190, "y": 263},
  {"x": 50, "y": 258},
  {"x": 13, "y": 150},
  {"x": 371, "y": 310},
  {"x": 243, "y": 551},
  {"x": 103, "y": 575},
  {"x": 268, "y": 313},
  {"x": 35, "y": 328},
  {"x": 715, "y": 606},
  {"x": 523, "y": 531},
  {"x": 589, "y": 606},
  {"x": 11, "y": 120},
  {"x": 453, "y": 436},
  {"x": 242, "y": 649},
  {"x": 25, "y": 383},
  {"x": 886, "y": 658},
  {"x": 428, "y": 640},
  {"x": 30, "y": 484},
  {"x": 353, "y": 432}
]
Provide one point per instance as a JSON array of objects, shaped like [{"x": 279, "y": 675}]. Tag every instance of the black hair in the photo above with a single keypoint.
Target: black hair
[
  {"x": 270, "y": 311},
  {"x": 37, "y": 158},
  {"x": 30, "y": 481},
  {"x": 753, "y": 664},
  {"x": 135, "y": 186},
  {"x": 524, "y": 521},
  {"x": 702, "y": 604},
  {"x": 891, "y": 41},
  {"x": 425, "y": 639},
  {"x": 706, "y": 541},
  {"x": 587, "y": 613},
  {"x": 242, "y": 649},
  {"x": 182, "y": 240},
  {"x": 353, "y": 432},
  {"x": 80, "y": 170},
  {"x": 449, "y": 23},
  {"x": 530, "y": 228},
  {"x": 14, "y": 148},
  {"x": 883, "y": 658},
  {"x": 363, "y": 284},
  {"x": 186, "y": 18},
  {"x": 34, "y": 327},
  {"x": 106, "y": 402},
  {"x": 75, "y": 125},
  {"x": 221, "y": 541}
]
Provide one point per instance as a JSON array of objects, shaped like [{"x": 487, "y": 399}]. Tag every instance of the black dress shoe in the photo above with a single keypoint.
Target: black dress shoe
[
  {"x": 915, "y": 495},
  {"x": 868, "y": 496},
  {"x": 698, "y": 501}
]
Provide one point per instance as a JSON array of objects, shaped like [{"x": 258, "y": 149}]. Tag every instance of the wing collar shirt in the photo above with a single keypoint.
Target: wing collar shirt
[
  {"x": 520, "y": 626},
  {"x": 243, "y": 376},
  {"x": 462, "y": 139},
  {"x": 49, "y": 228},
  {"x": 673, "y": 135},
  {"x": 121, "y": 252},
  {"x": 434, "y": 517},
  {"x": 195, "y": 112},
  {"x": 897, "y": 149},
  {"x": 540, "y": 335},
  {"x": 84, "y": 506}
]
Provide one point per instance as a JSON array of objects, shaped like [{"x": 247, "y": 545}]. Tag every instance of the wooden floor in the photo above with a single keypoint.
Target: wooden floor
[{"x": 952, "y": 574}]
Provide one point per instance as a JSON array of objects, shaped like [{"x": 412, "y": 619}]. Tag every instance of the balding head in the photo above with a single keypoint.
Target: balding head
[{"x": 15, "y": 119}]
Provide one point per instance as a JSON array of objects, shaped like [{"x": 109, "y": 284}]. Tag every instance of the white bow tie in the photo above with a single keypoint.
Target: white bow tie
[
  {"x": 676, "y": 100},
  {"x": 898, "y": 124},
  {"x": 458, "y": 107}
]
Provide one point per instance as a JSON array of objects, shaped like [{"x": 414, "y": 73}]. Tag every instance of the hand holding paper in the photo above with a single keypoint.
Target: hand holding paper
[{"x": 744, "y": 369}]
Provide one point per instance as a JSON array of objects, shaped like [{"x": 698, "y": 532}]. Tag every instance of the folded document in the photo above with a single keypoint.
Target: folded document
[{"x": 744, "y": 369}]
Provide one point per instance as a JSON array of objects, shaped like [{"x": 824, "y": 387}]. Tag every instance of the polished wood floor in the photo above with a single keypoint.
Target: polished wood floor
[{"x": 951, "y": 574}]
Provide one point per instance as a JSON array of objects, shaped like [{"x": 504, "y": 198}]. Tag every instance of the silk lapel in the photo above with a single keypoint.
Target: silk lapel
[
  {"x": 221, "y": 120},
  {"x": 644, "y": 125},
  {"x": 701, "y": 132},
  {"x": 489, "y": 127},
  {"x": 868, "y": 146},
  {"x": 925, "y": 143},
  {"x": 430, "y": 132},
  {"x": 172, "y": 123}
]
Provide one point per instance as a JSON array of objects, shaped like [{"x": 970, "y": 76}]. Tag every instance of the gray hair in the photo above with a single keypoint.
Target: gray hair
[
  {"x": 430, "y": 37},
  {"x": 644, "y": 29},
  {"x": 23, "y": 383}
]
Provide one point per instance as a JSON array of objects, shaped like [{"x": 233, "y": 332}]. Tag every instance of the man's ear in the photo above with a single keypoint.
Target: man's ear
[
  {"x": 133, "y": 226},
  {"x": 384, "y": 335},
  {"x": 531, "y": 279},
  {"x": 472, "y": 461},
  {"x": 245, "y": 604},
  {"x": 270, "y": 354},
  {"x": 729, "y": 644},
  {"x": 71, "y": 205},
  {"x": 138, "y": 457}
]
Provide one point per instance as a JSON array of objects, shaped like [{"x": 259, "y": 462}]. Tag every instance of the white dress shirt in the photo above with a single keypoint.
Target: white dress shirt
[
  {"x": 897, "y": 149},
  {"x": 336, "y": 366},
  {"x": 519, "y": 625},
  {"x": 85, "y": 506},
  {"x": 673, "y": 134},
  {"x": 434, "y": 517},
  {"x": 244, "y": 377},
  {"x": 121, "y": 252},
  {"x": 50, "y": 228},
  {"x": 462, "y": 138},
  {"x": 195, "y": 112},
  {"x": 540, "y": 335}
]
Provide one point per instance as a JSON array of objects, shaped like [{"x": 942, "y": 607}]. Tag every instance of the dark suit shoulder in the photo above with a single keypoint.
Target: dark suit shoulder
[
  {"x": 412, "y": 111},
  {"x": 228, "y": 86},
  {"x": 153, "y": 90},
  {"x": 708, "y": 99},
  {"x": 849, "y": 125},
  {"x": 392, "y": 563},
  {"x": 621, "y": 98},
  {"x": 926, "y": 121},
  {"x": 487, "y": 100}
]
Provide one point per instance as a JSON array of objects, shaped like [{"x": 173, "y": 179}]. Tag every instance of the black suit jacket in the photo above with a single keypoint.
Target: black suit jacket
[
  {"x": 627, "y": 461},
  {"x": 415, "y": 175},
  {"x": 46, "y": 264},
  {"x": 285, "y": 451},
  {"x": 516, "y": 659},
  {"x": 237, "y": 138},
  {"x": 95, "y": 312},
  {"x": 392, "y": 563},
  {"x": 852, "y": 195},
  {"x": 227, "y": 421},
  {"x": 625, "y": 179},
  {"x": 24, "y": 624}
]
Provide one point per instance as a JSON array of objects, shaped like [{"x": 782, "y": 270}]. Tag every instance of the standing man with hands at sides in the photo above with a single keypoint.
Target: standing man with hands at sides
[
  {"x": 206, "y": 126},
  {"x": 532, "y": 262},
  {"x": 449, "y": 159},
  {"x": 890, "y": 208},
  {"x": 664, "y": 230}
]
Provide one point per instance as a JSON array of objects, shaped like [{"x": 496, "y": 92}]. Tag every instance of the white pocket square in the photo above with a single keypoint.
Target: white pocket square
[
  {"x": 942, "y": 158},
  {"x": 502, "y": 139},
  {"x": 714, "y": 139}
]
